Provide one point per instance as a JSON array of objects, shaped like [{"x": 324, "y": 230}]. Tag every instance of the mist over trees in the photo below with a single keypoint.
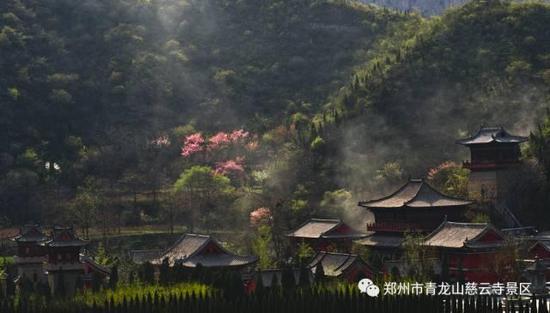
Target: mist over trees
[{"x": 117, "y": 113}]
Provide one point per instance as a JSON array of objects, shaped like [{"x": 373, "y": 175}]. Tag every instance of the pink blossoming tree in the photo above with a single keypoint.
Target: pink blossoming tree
[
  {"x": 230, "y": 166},
  {"x": 192, "y": 144},
  {"x": 260, "y": 216}
]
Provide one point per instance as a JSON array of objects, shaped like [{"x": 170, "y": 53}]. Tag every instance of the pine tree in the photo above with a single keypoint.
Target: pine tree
[
  {"x": 287, "y": 279},
  {"x": 147, "y": 273},
  {"x": 113, "y": 279},
  {"x": 260, "y": 287},
  {"x": 319, "y": 273},
  {"x": 96, "y": 281},
  {"x": 164, "y": 274},
  {"x": 304, "y": 276}
]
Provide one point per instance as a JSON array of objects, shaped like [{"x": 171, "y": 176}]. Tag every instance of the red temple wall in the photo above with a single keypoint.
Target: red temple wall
[
  {"x": 356, "y": 271},
  {"x": 477, "y": 267},
  {"x": 538, "y": 251}
]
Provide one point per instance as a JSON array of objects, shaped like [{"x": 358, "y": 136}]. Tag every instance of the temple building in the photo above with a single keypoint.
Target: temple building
[
  {"x": 415, "y": 207},
  {"x": 191, "y": 250},
  {"x": 63, "y": 267},
  {"x": 494, "y": 154},
  {"x": 349, "y": 267},
  {"x": 55, "y": 260},
  {"x": 30, "y": 253},
  {"x": 325, "y": 235},
  {"x": 540, "y": 250},
  {"x": 471, "y": 252}
]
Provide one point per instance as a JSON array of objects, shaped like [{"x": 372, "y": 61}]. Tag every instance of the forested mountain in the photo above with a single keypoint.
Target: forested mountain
[
  {"x": 487, "y": 63},
  {"x": 336, "y": 100},
  {"x": 86, "y": 84},
  {"x": 424, "y": 7}
]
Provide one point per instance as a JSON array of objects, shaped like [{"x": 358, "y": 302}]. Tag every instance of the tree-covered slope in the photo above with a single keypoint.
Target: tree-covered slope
[
  {"x": 485, "y": 63},
  {"x": 84, "y": 85}
]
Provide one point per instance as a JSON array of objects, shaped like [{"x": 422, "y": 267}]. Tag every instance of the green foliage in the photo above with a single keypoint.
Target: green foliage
[
  {"x": 445, "y": 72},
  {"x": 204, "y": 195},
  {"x": 102, "y": 257},
  {"x": 419, "y": 265},
  {"x": 164, "y": 272},
  {"x": 390, "y": 173},
  {"x": 319, "y": 273},
  {"x": 539, "y": 145},
  {"x": 317, "y": 144},
  {"x": 147, "y": 273},
  {"x": 451, "y": 179},
  {"x": 288, "y": 280},
  {"x": 262, "y": 247},
  {"x": 304, "y": 253},
  {"x": 335, "y": 203},
  {"x": 481, "y": 218},
  {"x": 138, "y": 290},
  {"x": 87, "y": 205},
  {"x": 202, "y": 179}
]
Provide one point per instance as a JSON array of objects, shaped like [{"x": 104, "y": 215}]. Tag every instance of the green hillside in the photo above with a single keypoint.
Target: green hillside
[
  {"x": 86, "y": 84},
  {"x": 487, "y": 63},
  {"x": 337, "y": 101}
]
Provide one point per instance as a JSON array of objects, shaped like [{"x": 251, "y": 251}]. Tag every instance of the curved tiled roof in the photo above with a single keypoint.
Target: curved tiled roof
[
  {"x": 187, "y": 251},
  {"x": 459, "y": 235},
  {"x": 381, "y": 240},
  {"x": 64, "y": 237},
  {"x": 334, "y": 264},
  {"x": 30, "y": 233},
  {"x": 543, "y": 243},
  {"x": 491, "y": 135},
  {"x": 322, "y": 228},
  {"x": 416, "y": 193}
]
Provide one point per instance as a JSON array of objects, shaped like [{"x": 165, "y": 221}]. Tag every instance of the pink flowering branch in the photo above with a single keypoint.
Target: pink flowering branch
[
  {"x": 230, "y": 166},
  {"x": 441, "y": 167},
  {"x": 218, "y": 140},
  {"x": 237, "y": 135},
  {"x": 260, "y": 216},
  {"x": 161, "y": 141},
  {"x": 192, "y": 144}
]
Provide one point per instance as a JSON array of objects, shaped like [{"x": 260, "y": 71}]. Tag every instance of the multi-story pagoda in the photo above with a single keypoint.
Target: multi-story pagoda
[
  {"x": 416, "y": 206},
  {"x": 493, "y": 153},
  {"x": 30, "y": 253},
  {"x": 64, "y": 269}
]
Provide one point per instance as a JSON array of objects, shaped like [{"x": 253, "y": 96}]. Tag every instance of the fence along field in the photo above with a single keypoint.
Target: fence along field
[{"x": 298, "y": 301}]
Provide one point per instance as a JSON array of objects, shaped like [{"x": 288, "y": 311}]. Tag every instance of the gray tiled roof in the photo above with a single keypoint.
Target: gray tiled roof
[
  {"x": 416, "y": 193},
  {"x": 380, "y": 240},
  {"x": 96, "y": 266},
  {"x": 321, "y": 228},
  {"x": 187, "y": 251},
  {"x": 65, "y": 237},
  {"x": 544, "y": 243},
  {"x": 31, "y": 233},
  {"x": 459, "y": 235},
  {"x": 334, "y": 264},
  {"x": 142, "y": 256},
  {"x": 491, "y": 135}
]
